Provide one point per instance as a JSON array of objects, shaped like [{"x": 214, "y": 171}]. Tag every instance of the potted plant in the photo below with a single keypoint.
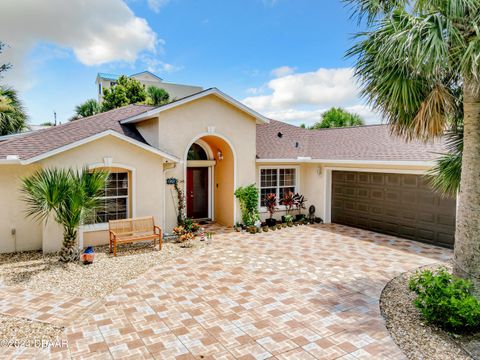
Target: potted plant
[
  {"x": 299, "y": 203},
  {"x": 271, "y": 204},
  {"x": 248, "y": 198},
  {"x": 288, "y": 201},
  {"x": 289, "y": 220}
]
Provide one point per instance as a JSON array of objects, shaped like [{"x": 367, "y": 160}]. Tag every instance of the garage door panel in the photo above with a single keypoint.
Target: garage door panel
[{"x": 397, "y": 204}]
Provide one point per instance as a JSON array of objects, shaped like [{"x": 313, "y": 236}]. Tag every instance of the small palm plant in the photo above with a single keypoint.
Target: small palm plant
[{"x": 69, "y": 195}]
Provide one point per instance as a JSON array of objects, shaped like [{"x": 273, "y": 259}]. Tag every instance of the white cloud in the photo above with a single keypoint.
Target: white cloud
[
  {"x": 303, "y": 97},
  {"x": 97, "y": 32},
  {"x": 282, "y": 71},
  {"x": 155, "y": 65},
  {"x": 156, "y": 5}
]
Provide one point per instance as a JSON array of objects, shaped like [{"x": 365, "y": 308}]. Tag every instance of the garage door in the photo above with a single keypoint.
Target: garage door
[{"x": 398, "y": 204}]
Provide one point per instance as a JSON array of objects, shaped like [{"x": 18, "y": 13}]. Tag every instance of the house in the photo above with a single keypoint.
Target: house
[
  {"x": 176, "y": 91},
  {"x": 359, "y": 176}
]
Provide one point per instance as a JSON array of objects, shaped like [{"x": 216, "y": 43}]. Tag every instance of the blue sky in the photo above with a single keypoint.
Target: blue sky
[{"x": 285, "y": 58}]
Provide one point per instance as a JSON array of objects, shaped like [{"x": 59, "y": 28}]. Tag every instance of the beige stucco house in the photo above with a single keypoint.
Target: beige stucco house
[
  {"x": 359, "y": 176},
  {"x": 147, "y": 78}
]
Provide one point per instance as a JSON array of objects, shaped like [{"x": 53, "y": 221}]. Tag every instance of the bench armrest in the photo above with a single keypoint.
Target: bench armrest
[
  {"x": 112, "y": 234},
  {"x": 157, "y": 230}
]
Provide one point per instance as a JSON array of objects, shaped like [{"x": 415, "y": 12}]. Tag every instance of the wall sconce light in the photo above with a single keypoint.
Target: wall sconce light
[
  {"x": 319, "y": 170},
  {"x": 219, "y": 155}
]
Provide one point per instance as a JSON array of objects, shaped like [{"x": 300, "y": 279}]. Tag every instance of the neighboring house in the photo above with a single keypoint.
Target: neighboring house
[
  {"x": 176, "y": 91},
  {"x": 360, "y": 176}
]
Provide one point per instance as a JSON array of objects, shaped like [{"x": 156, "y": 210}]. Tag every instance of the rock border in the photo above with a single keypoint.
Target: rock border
[{"x": 406, "y": 325}]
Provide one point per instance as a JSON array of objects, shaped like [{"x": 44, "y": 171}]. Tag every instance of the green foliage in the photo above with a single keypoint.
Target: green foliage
[
  {"x": 134, "y": 90},
  {"x": 87, "y": 108},
  {"x": 69, "y": 195},
  {"x": 288, "y": 218},
  {"x": 157, "y": 96},
  {"x": 337, "y": 117},
  {"x": 190, "y": 226},
  {"x": 446, "y": 300},
  {"x": 445, "y": 176},
  {"x": 414, "y": 60},
  {"x": 248, "y": 197},
  {"x": 13, "y": 117},
  {"x": 126, "y": 91}
]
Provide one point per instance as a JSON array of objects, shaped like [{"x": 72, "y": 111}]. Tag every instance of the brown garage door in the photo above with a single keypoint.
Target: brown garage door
[{"x": 397, "y": 204}]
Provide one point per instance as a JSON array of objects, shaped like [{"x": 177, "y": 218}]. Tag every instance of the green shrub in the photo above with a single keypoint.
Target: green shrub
[
  {"x": 248, "y": 197},
  {"x": 446, "y": 300}
]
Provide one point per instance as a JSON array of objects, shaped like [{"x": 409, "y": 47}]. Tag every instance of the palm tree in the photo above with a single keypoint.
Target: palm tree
[
  {"x": 157, "y": 96},
  {"x": 418, "y": 63},
  {"x": 13, "y": 118},
  {"x": 85, "y": 109},
  {"x": 69, "y": 195}
]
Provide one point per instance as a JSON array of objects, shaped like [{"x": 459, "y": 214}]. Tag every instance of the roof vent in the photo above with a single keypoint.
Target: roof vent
[
  {"x": 280, "y": 135},
  {"x": 13, "y": 157}
]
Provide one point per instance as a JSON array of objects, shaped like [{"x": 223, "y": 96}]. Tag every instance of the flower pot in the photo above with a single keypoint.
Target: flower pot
[
  {"x": 279, "y": 226},
  {"x": 265, "y": 229},
  {"x": 290, "y": 224},
  {"x": 271, "y": 222},
  {"x": 299, "y": 217},
  {"x": 88, "y": 258},
  {"x": 318, "y": 220}
]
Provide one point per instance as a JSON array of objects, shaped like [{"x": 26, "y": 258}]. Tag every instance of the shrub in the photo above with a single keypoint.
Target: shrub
[
  {"x": 446, "y": 300},
  {"x": 248, "y": 197}
]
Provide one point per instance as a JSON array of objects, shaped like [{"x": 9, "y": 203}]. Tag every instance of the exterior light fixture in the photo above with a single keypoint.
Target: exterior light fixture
[{"x": 219, "y": 155}]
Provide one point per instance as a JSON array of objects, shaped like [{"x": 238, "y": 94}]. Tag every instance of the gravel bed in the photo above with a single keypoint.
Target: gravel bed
[
  {"x": 408, "y": 329},
  {"x": 33, "y": 270},
  {"x": 23, "y": 330}
]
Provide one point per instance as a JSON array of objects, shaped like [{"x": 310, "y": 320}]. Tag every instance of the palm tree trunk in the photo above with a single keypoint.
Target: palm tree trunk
[
  {"x": 69, "y": 252},
  {"x": 467, "y": 237}
]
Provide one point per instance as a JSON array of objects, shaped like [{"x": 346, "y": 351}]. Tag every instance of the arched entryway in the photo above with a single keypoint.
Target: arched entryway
[{"x": 210, "y": 179}]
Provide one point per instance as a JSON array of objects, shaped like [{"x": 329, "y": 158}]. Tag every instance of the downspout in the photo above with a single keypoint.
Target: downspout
[{"x": 165, "y": 170}]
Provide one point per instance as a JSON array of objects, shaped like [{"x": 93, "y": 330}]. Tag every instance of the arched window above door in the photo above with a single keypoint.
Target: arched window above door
[{"x": 197, "y": 152}]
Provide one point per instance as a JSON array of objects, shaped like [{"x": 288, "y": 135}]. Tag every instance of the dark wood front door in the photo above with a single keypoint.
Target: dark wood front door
[
  {"x": 398, "y": 204},
  {"x": 197, "y": 192}
]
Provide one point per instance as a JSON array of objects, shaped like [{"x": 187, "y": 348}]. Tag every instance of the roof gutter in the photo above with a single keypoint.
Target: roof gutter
[{"x": 309, "y": 160}]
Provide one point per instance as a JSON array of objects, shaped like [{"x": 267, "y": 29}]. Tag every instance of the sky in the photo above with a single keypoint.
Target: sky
[{"x": 284, "y": 58}]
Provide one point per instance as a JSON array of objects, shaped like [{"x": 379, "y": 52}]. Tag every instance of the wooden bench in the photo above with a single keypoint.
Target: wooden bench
[{"x": 131, "y": 230}]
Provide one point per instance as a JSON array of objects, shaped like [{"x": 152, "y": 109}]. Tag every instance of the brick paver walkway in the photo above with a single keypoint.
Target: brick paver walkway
[{"x": 307, "y": 292}]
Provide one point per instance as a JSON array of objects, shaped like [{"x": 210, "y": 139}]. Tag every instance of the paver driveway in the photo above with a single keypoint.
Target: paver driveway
[{"x": 299, "y": 293}]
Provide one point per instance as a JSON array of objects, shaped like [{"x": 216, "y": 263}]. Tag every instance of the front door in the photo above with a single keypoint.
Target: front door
[{"x": 197, "y": 192}]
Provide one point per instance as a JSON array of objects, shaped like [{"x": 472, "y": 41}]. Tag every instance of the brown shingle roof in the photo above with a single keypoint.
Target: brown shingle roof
[
  {"x": 371, "y": 142},
  {"x": 39, "y": 142}
]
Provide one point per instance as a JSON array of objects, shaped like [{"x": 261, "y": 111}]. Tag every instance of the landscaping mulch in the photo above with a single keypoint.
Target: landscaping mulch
[
  {"x": 417, "y": 339},
  {"x": 33, "y": 270}
]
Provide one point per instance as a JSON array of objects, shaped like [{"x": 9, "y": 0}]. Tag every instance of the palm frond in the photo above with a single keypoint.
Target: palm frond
[{"x": 445, "y": 176}]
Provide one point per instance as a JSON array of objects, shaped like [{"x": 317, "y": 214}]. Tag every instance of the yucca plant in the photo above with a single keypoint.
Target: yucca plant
[
  {"x": 417, "y": 64},
  {"x": 69, "y": 195}
]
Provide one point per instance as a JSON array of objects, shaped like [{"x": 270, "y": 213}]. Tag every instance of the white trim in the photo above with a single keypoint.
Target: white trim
[
  {"x": 208, "y": 150},
  {"x": 352, "y": 162},
  {"x": 96, "y": 137},
  {"x": 213, "y": 91},
  {"x": 327, "y": 202},
  {"x": 133, "y": 185},
  {"x": 234, "y": 153},
  {"x": 263, "y": 209}
]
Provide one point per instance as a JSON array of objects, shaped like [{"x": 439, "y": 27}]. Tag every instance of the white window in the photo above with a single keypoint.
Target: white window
[
  {"x": 277, "y": 181},
  {"x": 114, "y": 202}
]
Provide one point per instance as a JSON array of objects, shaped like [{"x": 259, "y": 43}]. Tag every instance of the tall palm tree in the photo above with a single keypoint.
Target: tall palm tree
[
  {"x": 13, "y": 118},
  {"x": 418, "y": 62},
  {"x": 69, "y": 195},
  {"x": 87, "y": 108}
]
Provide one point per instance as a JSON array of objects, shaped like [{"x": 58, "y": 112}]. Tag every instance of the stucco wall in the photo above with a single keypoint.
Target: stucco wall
[
  {"x": 180, "y": 126},
  {"x": 146, "y": 186},
  {"x": 12, "y": 212}
]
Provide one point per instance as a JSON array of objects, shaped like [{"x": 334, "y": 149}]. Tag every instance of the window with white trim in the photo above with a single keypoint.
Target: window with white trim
[
  {"x": 277, "y": 181},
  {"x": 114, "y": 202}
]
